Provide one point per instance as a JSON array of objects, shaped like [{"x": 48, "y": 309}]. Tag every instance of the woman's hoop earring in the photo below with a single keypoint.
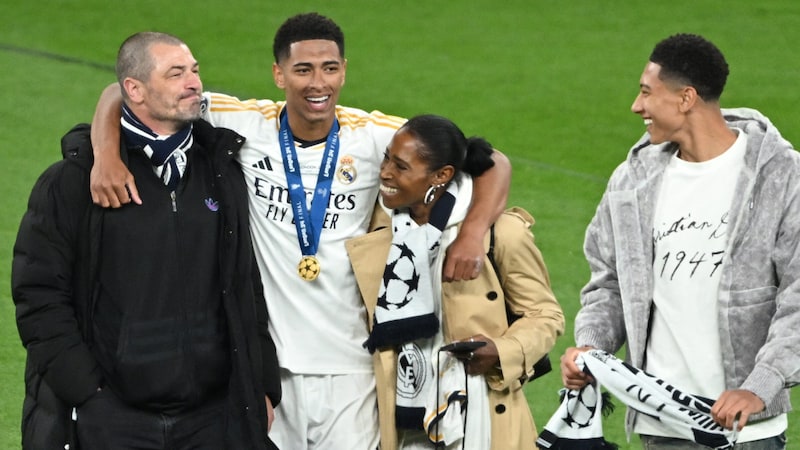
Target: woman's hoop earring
[{"x": 429, "y": 194}]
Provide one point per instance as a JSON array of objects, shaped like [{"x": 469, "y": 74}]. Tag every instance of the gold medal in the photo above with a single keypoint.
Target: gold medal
[{"x": 308, "y": 269}]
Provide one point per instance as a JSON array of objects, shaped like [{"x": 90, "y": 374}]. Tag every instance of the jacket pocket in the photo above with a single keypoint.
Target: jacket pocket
[{"x": 750, "y": 313}]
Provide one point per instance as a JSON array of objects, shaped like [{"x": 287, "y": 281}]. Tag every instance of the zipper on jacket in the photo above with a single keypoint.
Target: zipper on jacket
[{"x": 174, "y": 201}]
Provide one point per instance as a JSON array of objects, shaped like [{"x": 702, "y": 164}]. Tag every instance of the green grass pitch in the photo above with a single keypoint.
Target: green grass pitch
[{"x": 548, "y": 83}]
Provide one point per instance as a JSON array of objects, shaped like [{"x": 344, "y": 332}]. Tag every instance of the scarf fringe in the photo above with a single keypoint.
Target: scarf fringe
[{"x": 386, "y": 334}]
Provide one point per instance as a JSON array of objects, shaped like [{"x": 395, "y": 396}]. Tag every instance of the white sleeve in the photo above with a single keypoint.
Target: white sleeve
[{"x": 205, "y": 109}]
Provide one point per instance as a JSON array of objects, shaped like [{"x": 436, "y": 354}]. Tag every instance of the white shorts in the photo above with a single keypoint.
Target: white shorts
[{"x": 326, "y": 412}]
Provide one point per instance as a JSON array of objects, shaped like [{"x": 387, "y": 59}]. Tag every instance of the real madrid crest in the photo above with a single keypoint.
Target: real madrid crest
[
  {"x": 346, "y": 171},
  {"x": 411, "y": 370}
]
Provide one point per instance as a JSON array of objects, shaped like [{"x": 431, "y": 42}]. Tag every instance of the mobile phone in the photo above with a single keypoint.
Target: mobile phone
[{"x": 463, "y": 346}]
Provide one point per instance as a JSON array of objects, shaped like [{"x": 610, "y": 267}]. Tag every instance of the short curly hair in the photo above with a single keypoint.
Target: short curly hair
[
  {"x": 694, "y": 61},
  {"x": 304, "y": 27}
]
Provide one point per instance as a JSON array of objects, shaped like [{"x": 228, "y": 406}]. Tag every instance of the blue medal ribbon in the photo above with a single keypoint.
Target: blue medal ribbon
[{"x": 308, "y": 224}]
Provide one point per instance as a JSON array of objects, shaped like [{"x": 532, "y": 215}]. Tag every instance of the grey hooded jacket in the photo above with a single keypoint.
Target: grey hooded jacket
[{"x": 759, "y": 292}]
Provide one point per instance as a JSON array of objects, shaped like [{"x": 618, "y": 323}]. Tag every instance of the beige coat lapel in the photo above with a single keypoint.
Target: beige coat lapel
[{"x": 368, "y": 254}]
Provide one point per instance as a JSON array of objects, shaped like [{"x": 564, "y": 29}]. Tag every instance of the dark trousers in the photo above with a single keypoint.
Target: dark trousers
[{"x": 104, "y": 422}]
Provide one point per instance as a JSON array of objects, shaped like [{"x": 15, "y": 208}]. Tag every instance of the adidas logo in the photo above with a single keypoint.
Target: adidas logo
[{"x": 264, "y": 164}]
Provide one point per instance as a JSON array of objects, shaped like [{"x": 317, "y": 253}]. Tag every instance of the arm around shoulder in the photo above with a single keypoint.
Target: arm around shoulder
[
  {"x": 489, "y": 197},
  {"x": 111, "y": 182}
]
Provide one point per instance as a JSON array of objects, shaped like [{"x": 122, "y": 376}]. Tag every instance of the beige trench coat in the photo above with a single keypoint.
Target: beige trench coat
[{"x": 477, "y": 307}]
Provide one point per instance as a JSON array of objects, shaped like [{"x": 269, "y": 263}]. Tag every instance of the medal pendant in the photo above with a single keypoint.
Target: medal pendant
[{"x": 308, "y": 269}]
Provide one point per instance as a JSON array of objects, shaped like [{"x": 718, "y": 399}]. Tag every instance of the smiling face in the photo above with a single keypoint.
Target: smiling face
[
  {"x": 661, "y": 105},
  {"x": 406, "y": 177},
  {"x": 311, "y": 77},
  {"x": 171, "y": 97}
]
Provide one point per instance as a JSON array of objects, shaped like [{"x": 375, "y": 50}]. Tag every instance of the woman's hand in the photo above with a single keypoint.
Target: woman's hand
[{"x": 479, "y": 361}]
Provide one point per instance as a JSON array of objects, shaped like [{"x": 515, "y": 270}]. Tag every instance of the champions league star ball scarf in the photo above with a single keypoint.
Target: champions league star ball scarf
[
  {"x": 405, "y": 309},
  {"x": 433, "y": 389},
  {"x": 168, "y": 153},
  {"x": 406, "y": 312},
  {"x": 577, "y": 422}
]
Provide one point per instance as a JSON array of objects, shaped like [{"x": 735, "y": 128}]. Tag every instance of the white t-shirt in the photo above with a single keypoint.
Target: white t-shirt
[
  {"x": 318, "y": 326},
  {"x": 690, "y": 235}
]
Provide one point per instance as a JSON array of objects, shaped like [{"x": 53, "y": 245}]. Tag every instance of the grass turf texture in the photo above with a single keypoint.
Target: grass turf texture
[{"x": 548, "y": 83}]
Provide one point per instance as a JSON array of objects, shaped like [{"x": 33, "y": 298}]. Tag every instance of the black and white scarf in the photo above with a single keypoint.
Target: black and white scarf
[
  {"x": 168, "y": 153},
  {"x": 577, "y": 423},
  {"x": 432, "y": 387},
  {"x": 406, "y": 309}
]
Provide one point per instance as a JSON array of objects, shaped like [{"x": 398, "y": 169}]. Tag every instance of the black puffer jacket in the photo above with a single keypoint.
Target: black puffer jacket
[{"x": 54, "y": 287}]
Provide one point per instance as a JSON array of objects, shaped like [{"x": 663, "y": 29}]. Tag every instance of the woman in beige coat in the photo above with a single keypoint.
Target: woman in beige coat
[{"x": 423, "y": 390}]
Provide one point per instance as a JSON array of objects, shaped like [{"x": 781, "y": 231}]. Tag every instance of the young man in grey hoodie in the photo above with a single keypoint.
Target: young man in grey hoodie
[{"x": 694, "y": 253}]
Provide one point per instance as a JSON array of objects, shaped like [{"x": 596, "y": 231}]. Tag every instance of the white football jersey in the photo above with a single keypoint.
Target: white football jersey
[{"x": 318, "y": 326}]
